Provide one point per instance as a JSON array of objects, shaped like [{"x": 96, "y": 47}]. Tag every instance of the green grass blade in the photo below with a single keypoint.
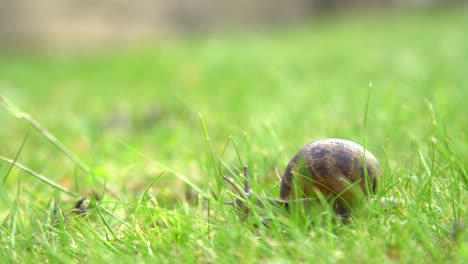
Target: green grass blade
[
  {"x": 11, "y": 108},
  {"x": 39, "y": 176},
  {"x": 15, "y": 160}
]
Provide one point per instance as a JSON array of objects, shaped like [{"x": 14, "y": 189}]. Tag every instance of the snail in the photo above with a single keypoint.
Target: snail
[{"x": 338, "y": 169}]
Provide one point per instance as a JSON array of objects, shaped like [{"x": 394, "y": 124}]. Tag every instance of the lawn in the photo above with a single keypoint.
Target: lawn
[{"x": 147, "y": 132}]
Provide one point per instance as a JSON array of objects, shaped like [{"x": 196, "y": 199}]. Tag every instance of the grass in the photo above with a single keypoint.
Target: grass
[{"x": 157, "y": 126}]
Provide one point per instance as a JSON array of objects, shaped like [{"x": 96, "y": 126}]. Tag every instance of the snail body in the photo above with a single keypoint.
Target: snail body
[{"x": 334, "y": 168}]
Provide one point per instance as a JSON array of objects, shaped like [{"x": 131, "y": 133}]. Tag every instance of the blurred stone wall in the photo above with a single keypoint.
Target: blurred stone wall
[{"x": 90, "y": 22}]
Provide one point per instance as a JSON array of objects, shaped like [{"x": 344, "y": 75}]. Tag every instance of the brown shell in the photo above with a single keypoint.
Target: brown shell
[{"x": 332, "y": 167}]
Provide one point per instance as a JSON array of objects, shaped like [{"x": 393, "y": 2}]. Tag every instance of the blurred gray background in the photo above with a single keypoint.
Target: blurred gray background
[{"x": 84, "y": 23}]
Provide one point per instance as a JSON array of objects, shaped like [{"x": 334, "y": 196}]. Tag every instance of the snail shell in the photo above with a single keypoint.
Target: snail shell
[{"x": 334, "y": 168}]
